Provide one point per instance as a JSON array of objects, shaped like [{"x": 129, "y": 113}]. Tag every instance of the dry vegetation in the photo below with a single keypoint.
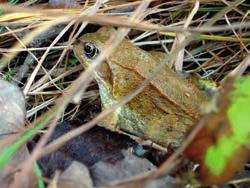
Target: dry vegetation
[{"x": 213, "y": 38}]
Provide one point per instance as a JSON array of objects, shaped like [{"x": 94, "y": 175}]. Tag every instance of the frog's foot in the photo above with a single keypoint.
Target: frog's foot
[
  {"x": 153, "y": 145},
  {"x": 143, "y": 142},
  {"x": 210, "y": 87},
  {"x": 109, "y": 127},
  {"x": 139, "y": 151}
]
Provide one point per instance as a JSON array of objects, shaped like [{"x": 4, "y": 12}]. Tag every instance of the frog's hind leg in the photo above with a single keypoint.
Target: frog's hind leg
[{"x": 142, "y": 141}]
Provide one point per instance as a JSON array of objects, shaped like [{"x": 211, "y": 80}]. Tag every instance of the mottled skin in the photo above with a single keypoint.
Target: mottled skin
[{"x": 163, "y": 112}]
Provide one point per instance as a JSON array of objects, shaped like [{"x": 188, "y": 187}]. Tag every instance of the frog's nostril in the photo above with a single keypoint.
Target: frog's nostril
[{"x": 77, "y": 41}]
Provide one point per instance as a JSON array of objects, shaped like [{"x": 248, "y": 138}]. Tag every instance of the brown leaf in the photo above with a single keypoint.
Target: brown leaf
[{"x": 216, "y": 126}]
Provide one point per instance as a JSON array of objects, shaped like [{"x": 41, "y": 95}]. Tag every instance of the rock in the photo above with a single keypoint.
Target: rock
[
  {"x": 106, "y": 172},
  {"x": 164, "y": 182},
  {"x": 77, "y": 176},
  {"x": 12, "y": 113},
  {"x": 97, "y": 144}
]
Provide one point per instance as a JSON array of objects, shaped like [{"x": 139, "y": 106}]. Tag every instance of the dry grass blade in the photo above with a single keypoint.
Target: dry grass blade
[
  {"x": 180, "y": 37},
  {"x": 28, "y": 85},
  {"x": 239, "y": 70},
  {"x": 6, "y": 59},
  {"x": 144, "y": 26}
]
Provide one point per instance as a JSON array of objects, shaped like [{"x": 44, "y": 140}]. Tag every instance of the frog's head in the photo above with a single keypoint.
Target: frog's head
[
  {"x": 87, "y": 48},
  {"x": 89, "y": 45}
]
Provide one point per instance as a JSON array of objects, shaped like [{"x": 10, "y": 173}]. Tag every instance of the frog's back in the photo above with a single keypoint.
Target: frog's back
[{"x": 181, "y": 92}]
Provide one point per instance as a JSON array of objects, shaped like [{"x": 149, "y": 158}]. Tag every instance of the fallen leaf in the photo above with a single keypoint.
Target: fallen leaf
[{"x": 221, "y": 147}]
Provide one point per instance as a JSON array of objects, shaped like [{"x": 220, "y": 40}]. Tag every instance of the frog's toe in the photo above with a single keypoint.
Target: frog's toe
[{"x": 139, "y": 151}]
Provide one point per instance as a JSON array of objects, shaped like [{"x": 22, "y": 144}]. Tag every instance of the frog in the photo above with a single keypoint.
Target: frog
[{"x": 163, "y": 112}]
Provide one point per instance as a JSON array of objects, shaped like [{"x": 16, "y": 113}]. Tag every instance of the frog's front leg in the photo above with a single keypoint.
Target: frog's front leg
[{"x": 110, "y": 122}]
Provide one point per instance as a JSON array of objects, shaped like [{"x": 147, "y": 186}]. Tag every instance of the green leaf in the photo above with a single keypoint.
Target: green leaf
[
  {"x": 38, "y": 173},
  {"x": 238, "y": 116}
]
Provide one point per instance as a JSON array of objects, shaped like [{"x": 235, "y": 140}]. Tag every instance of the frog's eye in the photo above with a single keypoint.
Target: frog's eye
[{"x": 90, "y": 50}]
